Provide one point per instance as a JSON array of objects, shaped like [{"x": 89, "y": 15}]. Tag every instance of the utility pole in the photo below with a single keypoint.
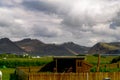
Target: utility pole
[{"x": 98, "y": 64}]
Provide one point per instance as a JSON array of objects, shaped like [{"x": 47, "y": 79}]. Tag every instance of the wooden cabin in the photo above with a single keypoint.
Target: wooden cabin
[{"x": 68, "y": 64}]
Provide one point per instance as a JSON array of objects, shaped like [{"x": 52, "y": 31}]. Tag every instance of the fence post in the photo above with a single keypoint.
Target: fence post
[{"x": 87, "y": 76}]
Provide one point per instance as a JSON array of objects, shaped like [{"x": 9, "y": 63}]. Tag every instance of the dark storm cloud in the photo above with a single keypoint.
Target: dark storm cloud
[
  {"x": 45, "y": 32},
  {"x": 4, "y": 24},
  {"x": 35, "y": 5},
  {"x": 116, "y": 21}
]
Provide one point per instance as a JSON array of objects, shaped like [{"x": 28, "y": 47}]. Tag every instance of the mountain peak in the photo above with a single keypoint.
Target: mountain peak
[
  {"x": 7, "y": 46},
  {"x": 5, "y": 39},
  {"x": 68, "y": 43},
  {"x": 103, "y": 48},
  {"x": 27, "y": 40}
]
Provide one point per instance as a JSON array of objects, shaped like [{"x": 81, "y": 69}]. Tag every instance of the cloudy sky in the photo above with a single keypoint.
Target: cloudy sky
[{"x": 84, "y": 22}]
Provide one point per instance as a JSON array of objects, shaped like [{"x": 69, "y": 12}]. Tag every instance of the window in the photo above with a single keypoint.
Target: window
[{"x": 79, "y": 64}]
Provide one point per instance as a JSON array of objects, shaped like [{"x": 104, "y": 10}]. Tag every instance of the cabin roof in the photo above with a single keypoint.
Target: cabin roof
[{"x": 69, "y": 57}]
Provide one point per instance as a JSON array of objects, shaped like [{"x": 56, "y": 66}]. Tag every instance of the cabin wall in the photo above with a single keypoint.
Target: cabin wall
[{"x": 82, "y": 66}]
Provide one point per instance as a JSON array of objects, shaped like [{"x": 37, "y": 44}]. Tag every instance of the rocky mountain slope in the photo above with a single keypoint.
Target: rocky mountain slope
[
  {"x": 105, "y": 48},
  {"x": 7, "y": 46}
]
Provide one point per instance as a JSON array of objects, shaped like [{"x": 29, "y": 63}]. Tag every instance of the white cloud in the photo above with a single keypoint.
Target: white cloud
[{"x": 85, "y": 22}]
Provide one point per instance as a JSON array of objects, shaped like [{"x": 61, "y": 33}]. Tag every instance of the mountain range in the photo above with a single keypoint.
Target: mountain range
[{"x": 37, "y": 47}]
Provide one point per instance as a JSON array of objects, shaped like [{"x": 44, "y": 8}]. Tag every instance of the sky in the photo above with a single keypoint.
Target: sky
[{"x": 84, "y": 22}]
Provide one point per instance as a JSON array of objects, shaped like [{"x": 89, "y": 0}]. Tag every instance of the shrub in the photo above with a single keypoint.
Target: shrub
[{"x": 114, "y": 60}]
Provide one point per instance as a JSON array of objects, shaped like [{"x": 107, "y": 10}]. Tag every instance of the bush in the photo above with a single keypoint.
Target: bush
[
  {"x": 114, "y": 60},
  {"x": 96, "y": 55}
]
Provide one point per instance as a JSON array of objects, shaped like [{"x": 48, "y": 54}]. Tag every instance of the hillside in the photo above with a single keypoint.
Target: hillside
[
  {"x": 36, "y": 47},
  {"x": 105, "y": 48},
  {"x": 75, "y": 47},
  {"x": 117, "y": 44},
  {"x": 7, "y": 46}
]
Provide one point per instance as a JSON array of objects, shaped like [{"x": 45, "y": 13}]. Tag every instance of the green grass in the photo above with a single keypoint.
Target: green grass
[
  {"x": 6, "y": 73},
  {"x": 103, "y": 60}
]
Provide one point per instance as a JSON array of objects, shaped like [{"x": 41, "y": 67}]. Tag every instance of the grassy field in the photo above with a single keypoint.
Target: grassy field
[
  {"x": 89, "y": 58},
  {"x": 103, "y": 60}
]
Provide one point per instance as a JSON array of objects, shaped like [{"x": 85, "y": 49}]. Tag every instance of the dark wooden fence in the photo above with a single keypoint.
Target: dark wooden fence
[{"x": 24, "y": 74}]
